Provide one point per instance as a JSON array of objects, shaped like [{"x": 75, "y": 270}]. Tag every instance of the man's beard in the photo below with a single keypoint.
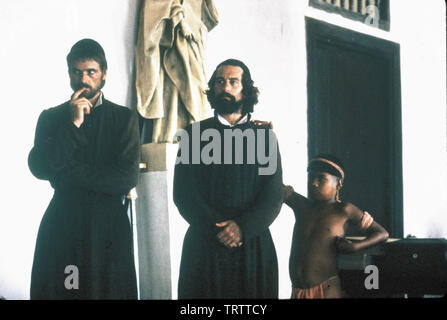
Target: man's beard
[
  {"x": 224, "y": 106},
  {"x": 90, "y": 92}
]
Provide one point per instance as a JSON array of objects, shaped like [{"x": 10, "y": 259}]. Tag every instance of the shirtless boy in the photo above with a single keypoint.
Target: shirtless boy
[{"x": 320, "y": 227}]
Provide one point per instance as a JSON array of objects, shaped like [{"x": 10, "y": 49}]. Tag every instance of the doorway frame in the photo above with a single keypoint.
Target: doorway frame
[{"x": 319, "y": 33}]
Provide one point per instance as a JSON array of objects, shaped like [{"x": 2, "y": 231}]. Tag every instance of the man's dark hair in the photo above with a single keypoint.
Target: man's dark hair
[
  {"x": 249, "y": 91},
  {"x": 87, "y": 49}
]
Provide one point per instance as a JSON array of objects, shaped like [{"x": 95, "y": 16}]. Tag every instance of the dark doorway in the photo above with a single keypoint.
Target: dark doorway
[{"x": 354, "y": 113}]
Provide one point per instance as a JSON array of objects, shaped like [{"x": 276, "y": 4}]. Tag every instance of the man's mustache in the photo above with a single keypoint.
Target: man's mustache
[
  {"x": 83, "y": 94},
  {"x": 226, "y": 94}
]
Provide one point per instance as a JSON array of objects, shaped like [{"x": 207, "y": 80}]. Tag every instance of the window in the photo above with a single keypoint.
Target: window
[{"x": 375, "y": 13}]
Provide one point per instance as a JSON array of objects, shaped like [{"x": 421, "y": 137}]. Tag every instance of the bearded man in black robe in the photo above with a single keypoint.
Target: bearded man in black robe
[
  {"x": 229, "y": 192},
  {"x": 88, "y": 149}
]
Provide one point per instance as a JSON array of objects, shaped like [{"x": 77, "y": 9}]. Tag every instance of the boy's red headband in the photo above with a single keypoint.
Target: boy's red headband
[{"x": 339, "y": 171}]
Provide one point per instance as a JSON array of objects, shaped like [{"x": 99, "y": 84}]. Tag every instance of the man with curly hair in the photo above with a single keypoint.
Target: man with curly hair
[{"x": 228, "y": 250}]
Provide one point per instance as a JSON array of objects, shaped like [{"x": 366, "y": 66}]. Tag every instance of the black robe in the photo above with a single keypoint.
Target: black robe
[
  {"x": 209, "y": 193},
  {"x": 85, "y": 225}
]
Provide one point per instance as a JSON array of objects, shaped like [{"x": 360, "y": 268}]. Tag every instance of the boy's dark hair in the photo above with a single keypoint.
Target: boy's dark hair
[
  {"x": 316, "y": 165},
  {"x": 87, "y": 49},
  {"x": 249, "y": 91}
]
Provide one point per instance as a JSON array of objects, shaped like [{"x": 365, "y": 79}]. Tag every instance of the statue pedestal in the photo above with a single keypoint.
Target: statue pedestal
[{"x": 157, "y": 223}]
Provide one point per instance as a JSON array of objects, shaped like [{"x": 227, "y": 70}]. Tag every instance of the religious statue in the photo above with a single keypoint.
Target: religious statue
[{"x": 170, "y": 75}]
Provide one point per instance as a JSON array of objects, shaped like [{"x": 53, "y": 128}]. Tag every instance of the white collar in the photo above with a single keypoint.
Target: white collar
[
  {"x": 99, "y": 101},
  {"x": 224, "y": 121}
]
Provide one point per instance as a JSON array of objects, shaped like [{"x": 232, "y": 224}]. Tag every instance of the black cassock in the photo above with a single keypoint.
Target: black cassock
[
  {"x": 84, "y": 244},
  {"x": 208, "y": 193}
]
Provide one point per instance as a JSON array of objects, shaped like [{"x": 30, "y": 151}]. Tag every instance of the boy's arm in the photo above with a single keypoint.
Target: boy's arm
[
  {"x": 375, "y": 233},
  {"x": 291, "y": 198}
]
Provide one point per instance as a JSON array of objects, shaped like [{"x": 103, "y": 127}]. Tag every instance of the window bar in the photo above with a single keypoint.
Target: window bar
[
  {"x": 363, "y": 7},
  {"x": 355, "y": 6},
  {"x": 346, "y": 4}
]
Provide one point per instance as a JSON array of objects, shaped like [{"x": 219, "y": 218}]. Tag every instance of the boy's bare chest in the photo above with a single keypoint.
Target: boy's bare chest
[{"x": 323, "y": 223}]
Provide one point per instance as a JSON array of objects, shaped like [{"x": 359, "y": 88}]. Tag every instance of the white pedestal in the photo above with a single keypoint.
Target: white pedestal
[{"x": 157, "y": 220}]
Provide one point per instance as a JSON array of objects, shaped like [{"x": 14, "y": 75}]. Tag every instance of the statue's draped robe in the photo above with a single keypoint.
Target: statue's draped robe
[{"x": 170, "y": 75}]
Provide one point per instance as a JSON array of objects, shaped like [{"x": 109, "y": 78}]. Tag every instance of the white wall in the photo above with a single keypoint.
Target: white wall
[
  {"x": 421, "y": 33},
  {"x": 35, "y": 39},
  {"x": 270, "y": 38}
]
